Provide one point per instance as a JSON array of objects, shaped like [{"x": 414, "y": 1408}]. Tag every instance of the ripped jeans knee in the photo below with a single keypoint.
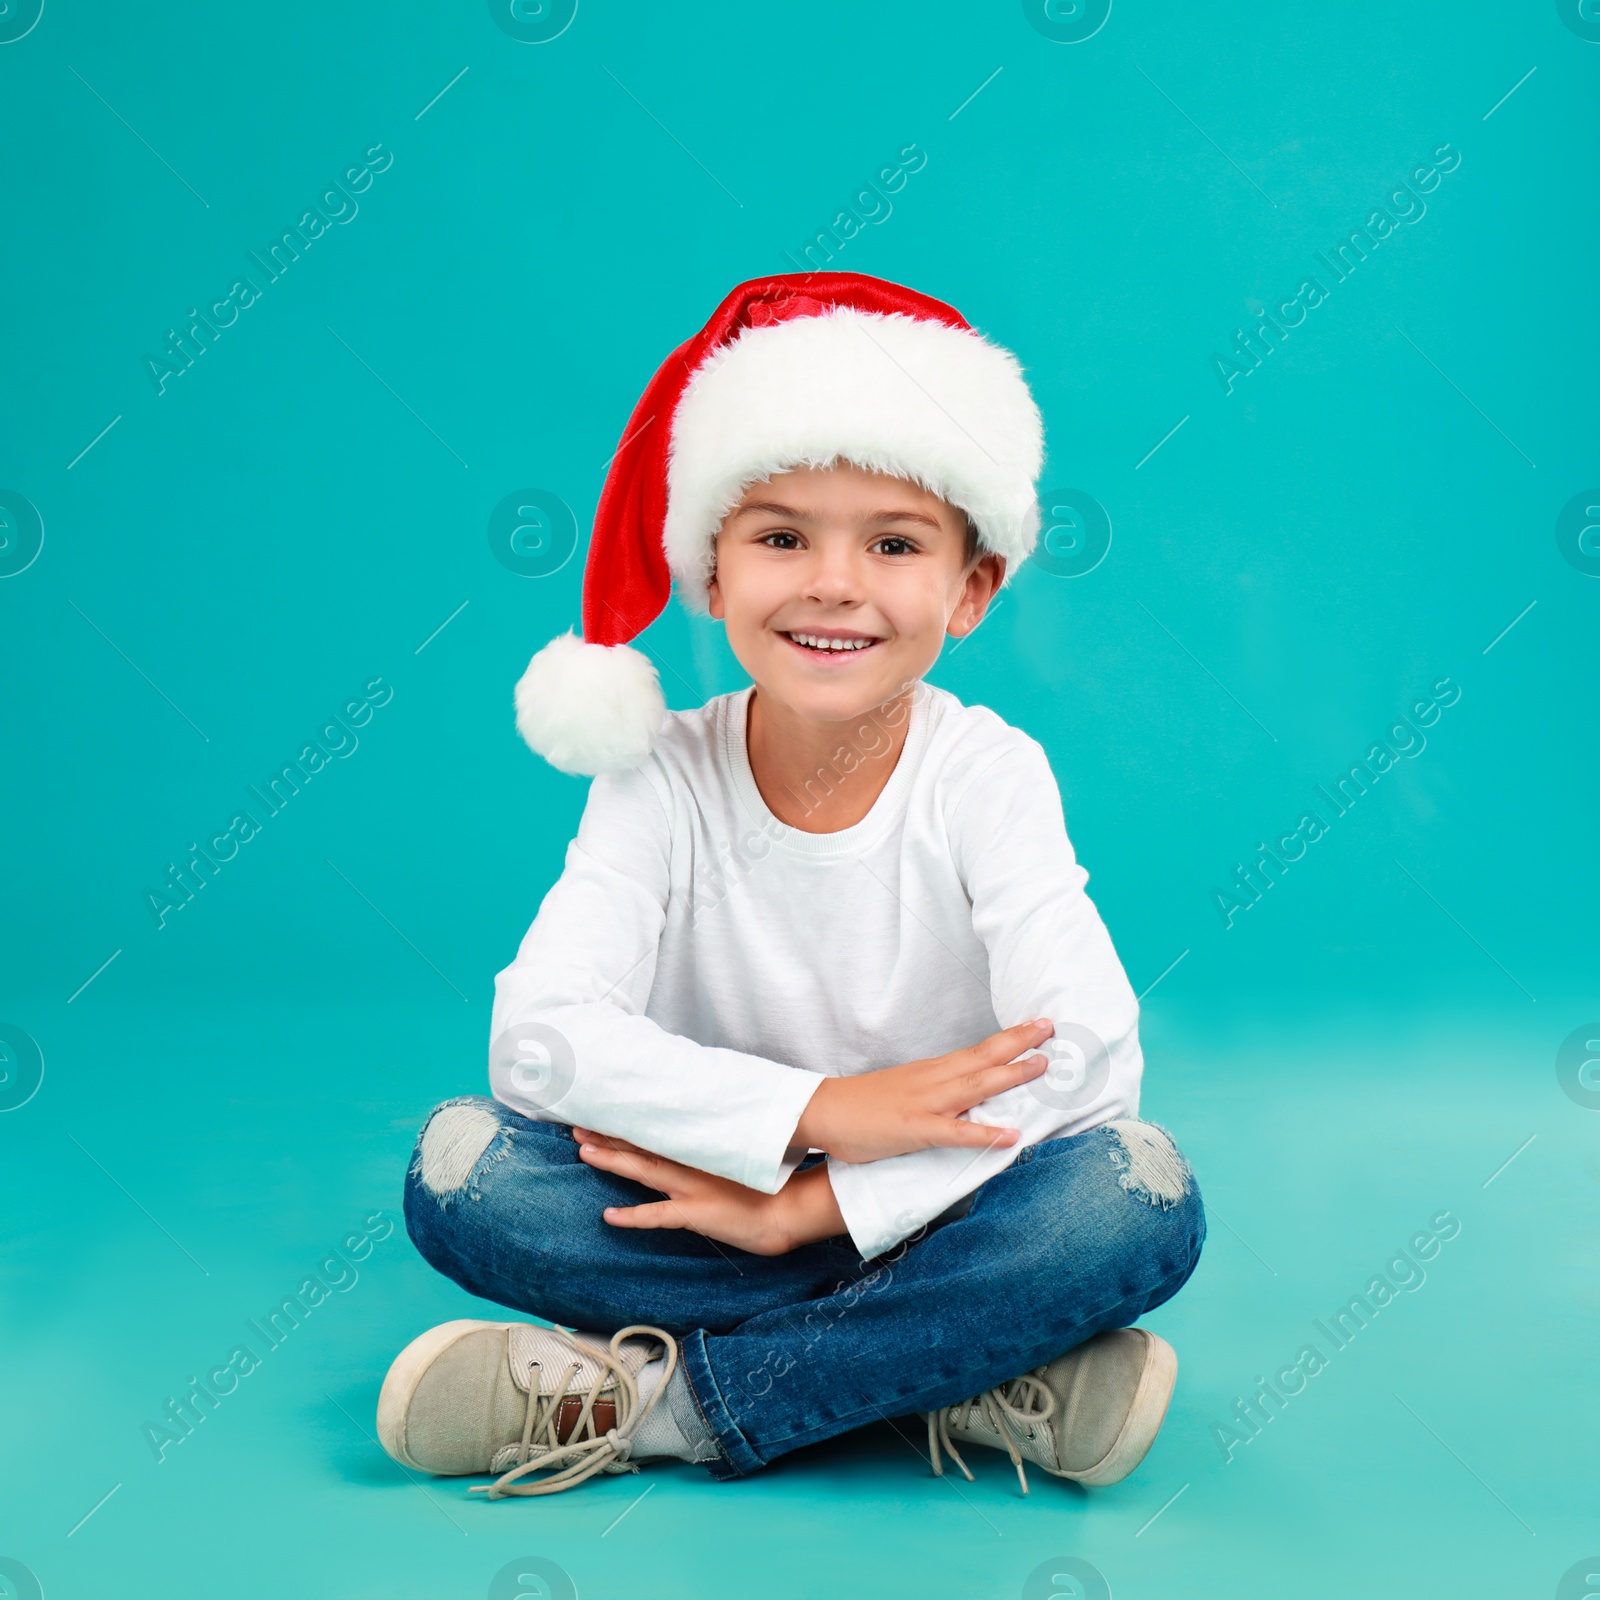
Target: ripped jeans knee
[
  {"x": 460, "y": 1141},
  {"x": 1149, "y": 1164}
]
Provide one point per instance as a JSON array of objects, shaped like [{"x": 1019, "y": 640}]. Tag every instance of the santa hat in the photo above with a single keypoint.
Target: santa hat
[{"x": 803, "y": 369}]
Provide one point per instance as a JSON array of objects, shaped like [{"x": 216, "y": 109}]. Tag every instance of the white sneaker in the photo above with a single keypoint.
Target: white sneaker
[
  {"x": 513, "y": 1398},
  {"x": 1089, "y": 1415}
]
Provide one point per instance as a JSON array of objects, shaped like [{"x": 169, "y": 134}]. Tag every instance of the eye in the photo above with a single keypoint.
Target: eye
[
  {"x": 779, "y": 533},
  {"x": 907, "y": 547}
]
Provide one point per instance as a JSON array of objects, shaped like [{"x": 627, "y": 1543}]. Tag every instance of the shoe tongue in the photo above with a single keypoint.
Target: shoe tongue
[
  {"x": 555, "y": 1357},
  {"x": 1040, "y": 1449}
]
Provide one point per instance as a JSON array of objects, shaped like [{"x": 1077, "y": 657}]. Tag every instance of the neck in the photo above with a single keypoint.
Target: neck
[{"x": 821, "y": 777}]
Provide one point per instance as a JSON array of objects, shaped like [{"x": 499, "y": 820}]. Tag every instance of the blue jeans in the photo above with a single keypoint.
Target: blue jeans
[{"x": 784, "y": 1351}]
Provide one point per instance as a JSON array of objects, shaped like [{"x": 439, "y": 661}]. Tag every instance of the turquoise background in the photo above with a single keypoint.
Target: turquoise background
[{"x": 307, "y": 509}]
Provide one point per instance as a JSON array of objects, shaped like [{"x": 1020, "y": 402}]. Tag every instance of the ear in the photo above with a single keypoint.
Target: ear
[
  {"x": 713, "y": 588},
  {"x": 980, "y": 587}
]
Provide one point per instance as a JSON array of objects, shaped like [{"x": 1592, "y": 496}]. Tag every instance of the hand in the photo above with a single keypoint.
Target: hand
[
  {"x": 918, "y": 1106},
  {"x": 764, "y": 1224}
]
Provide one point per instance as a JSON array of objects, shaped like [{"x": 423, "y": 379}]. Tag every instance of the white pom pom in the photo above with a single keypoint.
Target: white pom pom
[{"x": 590, "y": 708}]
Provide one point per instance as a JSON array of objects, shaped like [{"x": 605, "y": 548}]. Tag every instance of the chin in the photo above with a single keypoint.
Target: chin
[{"x": 833, "y": 702}]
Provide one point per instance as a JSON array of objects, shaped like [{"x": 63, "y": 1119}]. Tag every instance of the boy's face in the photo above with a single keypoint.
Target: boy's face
[{"x": 848, "y": 555}]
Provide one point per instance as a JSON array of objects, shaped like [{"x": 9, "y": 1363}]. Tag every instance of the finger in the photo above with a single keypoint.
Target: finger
[
  {"x": 956, "y": 1133},
  {"x": 608, "y": 1141},
  {"x": 658, "y": 1214},
  {"x": 654, "y": 1172},
  {"x": 605, "y": 1155},
  {"x": 974, "y": 1087},
  {"x": 1011, "y": 1041}
]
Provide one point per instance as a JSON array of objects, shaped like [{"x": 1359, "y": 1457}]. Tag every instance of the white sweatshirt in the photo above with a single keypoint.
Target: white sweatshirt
[{"x": 700, "y": 965}]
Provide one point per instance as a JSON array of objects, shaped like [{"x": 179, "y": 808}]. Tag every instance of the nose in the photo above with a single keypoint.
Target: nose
[{"x": 833, "y": 575}]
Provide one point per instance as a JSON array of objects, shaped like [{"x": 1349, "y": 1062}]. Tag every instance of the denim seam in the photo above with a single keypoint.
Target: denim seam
[
  {"x": 737, "y": 1459},
  {"x": 700, "y": 1412}
]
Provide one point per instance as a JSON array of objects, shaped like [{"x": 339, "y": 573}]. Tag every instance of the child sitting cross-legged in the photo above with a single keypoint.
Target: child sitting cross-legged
[{"x": 815, "y": 1081}]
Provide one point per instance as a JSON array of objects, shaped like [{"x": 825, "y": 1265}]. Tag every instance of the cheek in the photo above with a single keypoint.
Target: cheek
[
  {"x": 918, "y": 607},
  {"x": 762, "y": 596}
]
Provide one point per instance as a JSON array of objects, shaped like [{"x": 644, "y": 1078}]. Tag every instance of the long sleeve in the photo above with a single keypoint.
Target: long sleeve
[
  {"x": 1049, "y": 956},
  {"x": 569, "y": 1038}
]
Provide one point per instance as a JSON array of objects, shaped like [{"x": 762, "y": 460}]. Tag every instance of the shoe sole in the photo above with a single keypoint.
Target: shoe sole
[
  {"x": 1144, "y": 1419},
  {"x": 400, "y": 1384}
]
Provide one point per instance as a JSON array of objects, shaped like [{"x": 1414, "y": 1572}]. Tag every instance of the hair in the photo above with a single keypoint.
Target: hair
[{"x": 974, "y": 549}]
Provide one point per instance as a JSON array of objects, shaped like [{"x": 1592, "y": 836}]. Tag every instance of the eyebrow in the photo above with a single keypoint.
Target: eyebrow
[{"x": 773, "y": 508}]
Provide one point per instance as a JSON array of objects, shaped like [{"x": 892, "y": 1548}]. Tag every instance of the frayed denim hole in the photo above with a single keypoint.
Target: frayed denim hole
[
  {"x": 1149, "y": 1165},
  {"x": 459, "y": 1144}
]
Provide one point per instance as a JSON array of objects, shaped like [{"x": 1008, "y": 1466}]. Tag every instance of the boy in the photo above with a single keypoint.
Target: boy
[{"x": 770, "y": 1108}]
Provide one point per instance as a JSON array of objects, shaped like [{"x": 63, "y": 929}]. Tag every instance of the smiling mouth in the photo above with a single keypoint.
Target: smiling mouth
[{"x": 819, "y": 645}]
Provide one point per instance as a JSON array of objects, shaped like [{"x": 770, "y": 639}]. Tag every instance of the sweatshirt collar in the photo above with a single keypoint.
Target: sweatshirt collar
[{"x": 887, "y": 809}]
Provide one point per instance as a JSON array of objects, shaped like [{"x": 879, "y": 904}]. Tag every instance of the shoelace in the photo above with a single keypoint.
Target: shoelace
[
  {"x": 1009, "y": 1408},
  {"x": 581, "y": 1457}
]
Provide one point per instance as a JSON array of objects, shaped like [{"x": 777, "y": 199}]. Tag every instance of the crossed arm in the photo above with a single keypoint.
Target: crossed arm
[{"x": 891, "y": 1112}]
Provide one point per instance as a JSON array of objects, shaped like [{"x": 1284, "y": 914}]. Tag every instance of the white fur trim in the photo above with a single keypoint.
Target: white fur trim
[
  {"x": 939, "y": 406},
  {"x": 590, "y": 708}
]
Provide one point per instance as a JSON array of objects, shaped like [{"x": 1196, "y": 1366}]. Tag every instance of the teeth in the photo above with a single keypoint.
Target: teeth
[{"x": 816, "y": 643}]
